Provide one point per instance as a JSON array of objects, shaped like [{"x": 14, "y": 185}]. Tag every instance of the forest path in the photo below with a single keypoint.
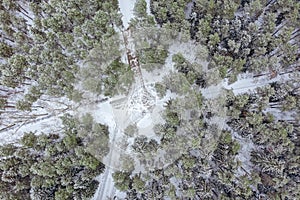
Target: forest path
[
  {"x": 245, "y": 83},
  {"x": 137, "y": 104},
  {"x": 106, "y": 187}
]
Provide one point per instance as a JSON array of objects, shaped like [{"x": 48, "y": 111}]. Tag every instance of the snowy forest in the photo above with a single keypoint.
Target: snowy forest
[{"x": 150, "y": 99}]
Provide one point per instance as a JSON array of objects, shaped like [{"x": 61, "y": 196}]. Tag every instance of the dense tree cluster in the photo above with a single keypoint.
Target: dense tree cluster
[
  {"x": 142, "y": 18},
  {"x": 170, "y": 13},
  {"x": 211, "y": 167},
  {"x": 276, "y": 159},
  {"x": 192, "y": 176},
  {"x": 51, "y": 166},
  {"x": 255, "y": 36},
  {"x": 152, "y": 58},
  {"x": 42, "y": 42},
  {"x": 109, "y": 79}
]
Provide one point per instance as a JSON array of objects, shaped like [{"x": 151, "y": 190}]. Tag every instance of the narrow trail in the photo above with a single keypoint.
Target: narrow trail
[
  {"x": 242, "y": 85},
  {"x": 16, "y": 126},
  {"x": 106, "y": 188}
]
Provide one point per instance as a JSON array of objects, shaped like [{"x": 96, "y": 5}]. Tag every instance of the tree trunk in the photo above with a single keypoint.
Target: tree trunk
[
  {"x": 282, "y": 25},
  {"x": 270, "y": 2},
  {"x": 6, "y": 38},
  {"x": 23, "y": 11},
  {"x": 276, "y": 31},
  {"x": 4, "y": 90},
  {"x": 259, "y": 75},
  {"x": 296, "y": 31}
]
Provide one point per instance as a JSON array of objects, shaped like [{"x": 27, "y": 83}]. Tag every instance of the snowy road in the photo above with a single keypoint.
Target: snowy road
[
  {"x": 106, "y": 188},
  {"x": 242, "y": 85}
]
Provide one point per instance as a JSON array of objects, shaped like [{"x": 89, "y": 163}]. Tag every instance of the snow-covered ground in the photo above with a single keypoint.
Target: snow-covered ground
[
  {"x": 188, "y": 9},
  {"x": 126, "y": 8},
  {"x": 48, "y": 124},
  {"x": 45, "y": 118},
  {"x": 245, "y": 83},
  {"x": 148, "y": 7},
  {"x": 281, "y": 115}
]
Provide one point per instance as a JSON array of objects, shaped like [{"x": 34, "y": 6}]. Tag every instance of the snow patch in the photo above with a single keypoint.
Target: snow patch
[
  {"x": 126, "y": 8},
  {"x": 146, "y": 121},
  {"x": 49, "y": 125},
  {"x": 148, "y": 7}
]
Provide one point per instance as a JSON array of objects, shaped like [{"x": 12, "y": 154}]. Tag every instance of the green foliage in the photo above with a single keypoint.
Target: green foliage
[
  {"x": 144, "y": 145},
  {"x": 131, "y": 130},
  {"x": 62, "y": 194},
  {"x": 181, "y": 64},
  {"x": 95, "y": 137},
  {"x": 49, "y": 166},
  {"x": 24, "y": 105},
  {"x": 277, "y": 148},
  {"x": 189, "y": 162},
  {"x": 111, "y": 79},
  {"x": 7, "y": 150},
  {"x": 138, "y": 183},
  {"x": 152, "y": 58},
  {"x": 240, "y": 36},
  {"x": 169, "y": 12},
  {"x": 177, "y": 83},
  {"x": 29, "y": 140},
  {"x": 6, "y": 51},
  {"x": 122, "y": 180},
  {"x": 191, "y": 71},
  {"x": 160, "y": 89},
  {"x": 43, "y": 50},
  {"x": 140, "y": 8},
  {"x": 178, "y": 59}
]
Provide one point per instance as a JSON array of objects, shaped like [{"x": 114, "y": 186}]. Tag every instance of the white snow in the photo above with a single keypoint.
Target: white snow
[
  {"x": 103, "y": 113},
  {"x": 188, "y": 9},
  {"x": 106, "y": 188},
  {"x": 188, "y": 49},
  {"x": 148, "y": 7},
  {"x": 49, "y": 125},
  {"x": 126, "y": 8},
  {"x": 45, "y": 118},
  {"x": 281, "y": 115},
  {"x": 250, "y": 84},
  {"x": 146, "y": 121},
  {"x": 245, "y": 83}
]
